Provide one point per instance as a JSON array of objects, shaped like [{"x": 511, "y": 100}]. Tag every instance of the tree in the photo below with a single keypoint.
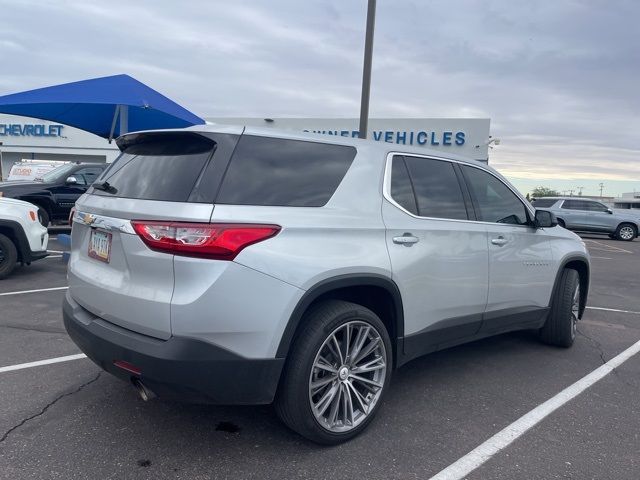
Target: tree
[{"x": 544, "y": 192}]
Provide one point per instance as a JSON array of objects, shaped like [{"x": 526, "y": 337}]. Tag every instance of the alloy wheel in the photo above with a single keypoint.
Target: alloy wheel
[
  {"x": 626, "y": 233},
  {"x": 575, "y": 311},
  {"x": 348, "y": 376}
]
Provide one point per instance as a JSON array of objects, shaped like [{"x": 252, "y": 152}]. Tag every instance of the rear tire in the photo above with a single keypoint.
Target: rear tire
[
  {"x": 8, "y": 256},
  {"x": 561, "y": 325},
  {"x": 325, "y": 395},
  {"x": 626, "y": 232}
]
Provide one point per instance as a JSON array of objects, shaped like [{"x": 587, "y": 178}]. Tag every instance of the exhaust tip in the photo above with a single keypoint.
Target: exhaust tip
[{"x": 145, "y": 393}]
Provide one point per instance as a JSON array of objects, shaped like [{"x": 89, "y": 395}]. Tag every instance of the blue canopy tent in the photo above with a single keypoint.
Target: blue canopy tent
[{"x": 107, "y": 106}]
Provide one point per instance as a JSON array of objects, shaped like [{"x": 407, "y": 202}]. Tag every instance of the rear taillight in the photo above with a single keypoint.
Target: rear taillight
[{"x": 220, "y": 241}]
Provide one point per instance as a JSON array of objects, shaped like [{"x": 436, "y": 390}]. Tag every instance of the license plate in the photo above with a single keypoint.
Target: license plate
[{"x": 100, "y": 245}]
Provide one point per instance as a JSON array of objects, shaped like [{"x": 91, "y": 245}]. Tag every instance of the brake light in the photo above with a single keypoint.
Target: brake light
[
  {"x": 219, "y": 241},
  {"x": 33, "y": 215}
]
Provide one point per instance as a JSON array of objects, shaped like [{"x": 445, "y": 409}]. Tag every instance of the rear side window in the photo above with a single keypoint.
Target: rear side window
[
  {"x": 158, "y": 167},
  {"x": 495, "y": 202},
  {"x": 401, "y": 188},
  {"x": 436, "y": 187},
  {"x": 280, "y": 172},
  {"x": 544, "y": 202}
]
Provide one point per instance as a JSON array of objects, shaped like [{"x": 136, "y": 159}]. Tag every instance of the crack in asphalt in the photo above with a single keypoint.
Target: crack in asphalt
[
  {"x": 47, "y": 406},
  {"x": 598, "y": 346},
  {"x": 32, "y": 329}
]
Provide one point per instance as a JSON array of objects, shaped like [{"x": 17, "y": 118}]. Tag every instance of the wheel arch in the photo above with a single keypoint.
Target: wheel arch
[
  {"x": 581, "y": 265},
  {"x": 13, "y": 230},
  {"x": 376, "y": 292}
]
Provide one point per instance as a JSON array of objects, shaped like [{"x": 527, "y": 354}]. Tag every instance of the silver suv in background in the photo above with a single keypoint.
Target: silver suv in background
[
  {"x": 246, "y": 266},
  {"x": 586, "y": 215}
]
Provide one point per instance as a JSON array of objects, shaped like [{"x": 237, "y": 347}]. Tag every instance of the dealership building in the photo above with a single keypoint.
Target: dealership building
[{"x": 24, "y": 138}]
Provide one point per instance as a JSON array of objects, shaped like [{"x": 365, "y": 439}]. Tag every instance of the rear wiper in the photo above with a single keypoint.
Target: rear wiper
[{"x": 104, "y": 186}]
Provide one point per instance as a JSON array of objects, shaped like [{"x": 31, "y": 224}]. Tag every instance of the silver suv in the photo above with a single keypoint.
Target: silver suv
[
  {"x": 242, "y": 266},
  {"x": 586, "y": 215}
]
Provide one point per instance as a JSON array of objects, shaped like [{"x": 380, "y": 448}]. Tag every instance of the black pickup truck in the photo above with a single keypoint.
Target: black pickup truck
[{"x": 58, "y": 190}]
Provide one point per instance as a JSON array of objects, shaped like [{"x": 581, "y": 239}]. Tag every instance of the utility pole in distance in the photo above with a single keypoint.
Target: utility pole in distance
[
  {"x": 601, "y": 188},
  {"x": 366, "y": 69}
]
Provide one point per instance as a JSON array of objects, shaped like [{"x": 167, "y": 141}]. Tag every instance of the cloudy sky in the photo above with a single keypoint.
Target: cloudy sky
[{"x": 559, "y": 79}]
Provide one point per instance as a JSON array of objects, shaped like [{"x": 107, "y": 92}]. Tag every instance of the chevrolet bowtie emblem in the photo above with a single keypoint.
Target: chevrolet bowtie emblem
[{"x": 88, "y": 218}]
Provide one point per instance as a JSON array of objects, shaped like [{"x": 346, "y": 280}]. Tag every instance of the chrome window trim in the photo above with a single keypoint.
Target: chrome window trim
[{"x": 386, "y": 189}]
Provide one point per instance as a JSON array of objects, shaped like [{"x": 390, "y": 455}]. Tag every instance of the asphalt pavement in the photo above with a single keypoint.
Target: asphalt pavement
[{"x": 68, "y": 420}]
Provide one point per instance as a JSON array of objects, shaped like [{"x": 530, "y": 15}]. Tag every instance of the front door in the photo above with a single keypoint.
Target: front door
[
  {"x": 439, "y": 257},
  {"x": 521, "y": 274}
]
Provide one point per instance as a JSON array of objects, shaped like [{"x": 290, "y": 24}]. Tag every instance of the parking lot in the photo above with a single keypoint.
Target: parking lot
[{"x": 68, "y": 420}]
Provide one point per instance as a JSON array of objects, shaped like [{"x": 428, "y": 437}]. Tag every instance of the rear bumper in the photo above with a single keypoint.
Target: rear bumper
[{"x": 179, "y": 368}]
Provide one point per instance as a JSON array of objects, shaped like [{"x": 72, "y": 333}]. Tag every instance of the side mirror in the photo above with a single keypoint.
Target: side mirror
[
  {"x": 609, "y": 211},
  {"x": 545, "y": 219},
  {"x": 71, "y": 181}
]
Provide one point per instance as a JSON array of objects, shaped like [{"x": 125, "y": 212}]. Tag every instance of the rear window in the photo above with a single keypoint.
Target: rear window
[
  {"x": 279, "y": 172},
  {"x": 543, "y": 202},
  {"x": 158, "y": 167}
]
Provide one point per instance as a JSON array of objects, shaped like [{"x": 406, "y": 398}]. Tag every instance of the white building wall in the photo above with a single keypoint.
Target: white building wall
[{"x": 26, "y": 138}]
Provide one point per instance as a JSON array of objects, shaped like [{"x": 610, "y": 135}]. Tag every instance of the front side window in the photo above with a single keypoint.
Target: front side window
[
  {"x": 86, "y": 176},
  {"x": 598, "y": 207},
  {"x": 495, "y": 202}
]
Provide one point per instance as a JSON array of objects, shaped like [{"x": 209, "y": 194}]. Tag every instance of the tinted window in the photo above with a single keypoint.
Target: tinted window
[
  {"x": 495, "y": 202},
  {"x": 158, "y": 167},
  {"x": 86, "y": 176},
  {"x": 401, "y": 189},
  {"x": 597, "y": 207},
  {"x": 576, "y": 205},
  {"x": 437, "y": 188},
  {"x": 544, "y": 202},
  {"x": 279, "y": 172}
]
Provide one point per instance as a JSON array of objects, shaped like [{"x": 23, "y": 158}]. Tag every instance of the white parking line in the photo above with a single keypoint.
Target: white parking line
[
  {"x": 39, "y": 363},
  {"x": 55, "y": 251},
  {"x": 601, "y": 258},
  {"x": 478, "y": 456},
  {"x": 33, "y": 291},
  {"x": 60, "y": 256},
  {"x": 611, "y": 247},
  {"x": 613, "y": 310}
]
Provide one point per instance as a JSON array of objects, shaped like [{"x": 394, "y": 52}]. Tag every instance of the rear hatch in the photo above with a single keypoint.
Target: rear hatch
[{"x": 112, "y": 273}]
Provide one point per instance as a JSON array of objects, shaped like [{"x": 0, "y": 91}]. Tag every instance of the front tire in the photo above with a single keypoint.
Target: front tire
[
  {"x": 336, "y": 373},
  {"x": 561, "y": 325},
  {"x": 626, "y": 232},
  {"x": 8, "y": 256}
]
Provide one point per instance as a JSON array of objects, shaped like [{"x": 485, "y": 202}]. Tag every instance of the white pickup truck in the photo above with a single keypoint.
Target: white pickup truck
[{"x": 22, "y": 237}]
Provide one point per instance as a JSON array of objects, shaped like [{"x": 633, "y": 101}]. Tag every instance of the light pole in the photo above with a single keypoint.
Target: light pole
[
  {"x": 1, "y": 177},
  {"x": 366, "y": 69}
]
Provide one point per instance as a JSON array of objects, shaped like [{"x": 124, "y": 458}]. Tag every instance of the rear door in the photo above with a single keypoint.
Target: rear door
[
  {"x": 521, "y": 271},
  {"x": 438, "y": 255},
  {"x": 112, "y": 273}
]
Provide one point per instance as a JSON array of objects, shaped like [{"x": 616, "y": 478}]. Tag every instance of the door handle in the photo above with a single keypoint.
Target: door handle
[
  {"x": 406, "y": 239},
  {"x": 500, "y": 241}
]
